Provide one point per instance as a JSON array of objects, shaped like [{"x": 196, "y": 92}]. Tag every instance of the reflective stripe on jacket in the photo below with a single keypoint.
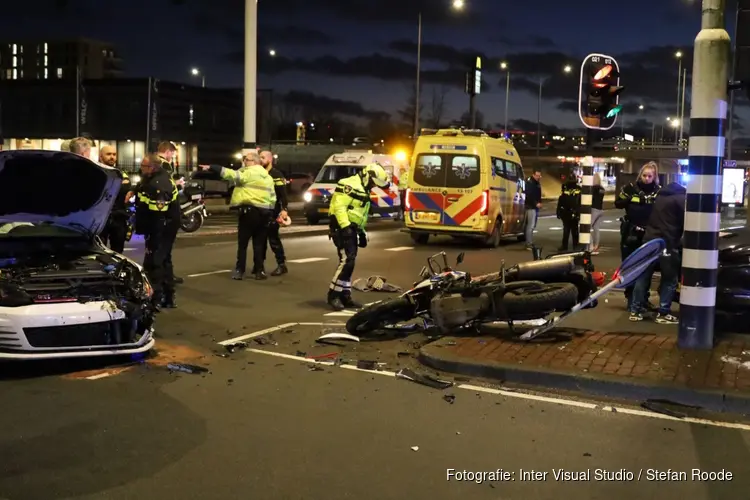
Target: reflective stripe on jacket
[{"x": 350, "y": 203}]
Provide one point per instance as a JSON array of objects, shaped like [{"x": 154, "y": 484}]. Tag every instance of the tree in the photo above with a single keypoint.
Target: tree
[
  {"x": 437, "y": 105},
  {"x": 381, "y": 128},
  {"x": 466, "y": 120},
  {"x": 407, "y": 113}
]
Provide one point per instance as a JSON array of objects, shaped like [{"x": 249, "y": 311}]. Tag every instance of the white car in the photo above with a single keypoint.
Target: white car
[{"x": 63, "y": 294}]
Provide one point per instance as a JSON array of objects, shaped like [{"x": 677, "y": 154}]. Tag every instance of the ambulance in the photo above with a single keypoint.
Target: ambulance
[{"x": 386, "y": 203}]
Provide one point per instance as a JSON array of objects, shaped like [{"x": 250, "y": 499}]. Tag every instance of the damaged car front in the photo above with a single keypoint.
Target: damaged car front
[{"x": 62, "y": 293}]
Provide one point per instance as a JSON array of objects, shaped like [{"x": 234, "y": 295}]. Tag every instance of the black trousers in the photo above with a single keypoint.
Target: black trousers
[
  {"x": 253, "y": 224},
  {"x": 274, "y": 241},
  {"x": 630, "y": 240},
  {"x": 570, "y": 227},
  {"x": 347, "y": 247},
  {"x": 115, "y": 233},
  {"x": 159, "y": 238}
]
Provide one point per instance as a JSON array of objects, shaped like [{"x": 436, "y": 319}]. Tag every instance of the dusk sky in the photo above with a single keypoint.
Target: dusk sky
[{"x": 365, "y": 51}]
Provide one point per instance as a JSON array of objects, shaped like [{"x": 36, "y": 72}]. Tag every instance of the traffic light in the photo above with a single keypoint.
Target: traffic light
[{"x": 600, "y": 85}]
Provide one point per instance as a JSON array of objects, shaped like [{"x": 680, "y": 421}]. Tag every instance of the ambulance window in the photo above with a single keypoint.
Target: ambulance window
[
  {"x": 498, "y": 167},
  {"x": 464, "y": 172},
  {"x": 511, "y": 171},
  {"x": 429, "y": 170}
]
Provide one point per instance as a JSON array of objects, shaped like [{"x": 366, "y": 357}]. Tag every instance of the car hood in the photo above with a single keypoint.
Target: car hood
[{"x": 58, "y": 188}]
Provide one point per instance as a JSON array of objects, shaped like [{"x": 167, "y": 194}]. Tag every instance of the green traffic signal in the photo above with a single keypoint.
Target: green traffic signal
[{"x": 613, "y": 112}]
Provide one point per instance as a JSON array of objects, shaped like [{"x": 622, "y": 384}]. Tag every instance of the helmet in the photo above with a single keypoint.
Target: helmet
[{"x": 374, "y": 174}]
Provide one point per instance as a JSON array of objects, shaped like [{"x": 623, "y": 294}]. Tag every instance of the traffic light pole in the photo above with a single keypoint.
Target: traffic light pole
[{"x": 708, "y": 115}]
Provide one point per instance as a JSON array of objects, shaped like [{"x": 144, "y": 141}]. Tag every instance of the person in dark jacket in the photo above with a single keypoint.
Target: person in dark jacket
[
  {"x": 597, "y": 212},
  {"x": 637, "y": 199},
  {"x": 167, "y": 151},
  {"x": 569, "y": 211},
  {"x": 280, "y": 212},
  {"x": 667, "y": 221},
  {"x": 116, "y": 231},
  {"x": 533, "y": 203}
]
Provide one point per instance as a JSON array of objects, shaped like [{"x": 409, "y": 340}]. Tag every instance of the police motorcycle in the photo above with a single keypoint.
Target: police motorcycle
[
  {"x": 450, "y": 299},
  {"x": 192, "y": 205}
]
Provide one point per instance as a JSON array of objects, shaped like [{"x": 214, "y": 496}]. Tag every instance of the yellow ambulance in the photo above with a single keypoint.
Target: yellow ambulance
[{"x": 466, "y": 184}]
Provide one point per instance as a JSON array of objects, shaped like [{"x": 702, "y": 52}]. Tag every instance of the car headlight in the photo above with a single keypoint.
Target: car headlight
[{"x": 307, "y": 196}]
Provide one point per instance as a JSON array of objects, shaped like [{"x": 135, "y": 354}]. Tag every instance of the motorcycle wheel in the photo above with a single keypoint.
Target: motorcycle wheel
[
  {"x": 378, "y": 315},
  {"x": 539, "y": 299},
  {"x": 192, "y": 222}
]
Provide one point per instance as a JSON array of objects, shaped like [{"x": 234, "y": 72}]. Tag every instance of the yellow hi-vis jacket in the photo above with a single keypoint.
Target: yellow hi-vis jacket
[
  {"x": 253, "y": 186},
  {"x": 350, "y": 203}
]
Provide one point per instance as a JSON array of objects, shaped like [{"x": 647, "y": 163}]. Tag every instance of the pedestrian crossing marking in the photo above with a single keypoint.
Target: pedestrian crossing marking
[
  {"x": 305, "y": 261},
  {"x": 398, "y": 249}
]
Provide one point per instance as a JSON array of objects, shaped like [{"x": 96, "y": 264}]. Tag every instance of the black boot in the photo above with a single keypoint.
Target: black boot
[
  {"x": 282, "y": 269},
  {"x": 334, "y": 300},
  {"x": 237, "y": 274},
  {"x": 349, "y": 303},
  {"x": 178, "y": 280},
  {"x": 169, "y": 301},
  {"x": 261, "y": 275}
]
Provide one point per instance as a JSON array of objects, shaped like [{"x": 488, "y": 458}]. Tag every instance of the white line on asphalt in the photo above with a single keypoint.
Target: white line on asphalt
[
  {"x": 305, "y": 261},
  {"x": 209, "y": 273},
  {"x": 398, "y": 249},
  {"x": 220, "y": 243},
  {"x": 129, "y": 249},
  {"x": 341, "y": 313},
  {"x": 522, "y": 395},
  {"x": 97, "y": 377},
  {"x": 256, "y": 334},
  {"x": 610, "y": 230}
]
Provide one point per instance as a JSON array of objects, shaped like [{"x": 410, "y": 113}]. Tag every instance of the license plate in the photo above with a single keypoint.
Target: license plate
[
  {"x": 323, "y": 210},
  {"x": 431, "y": 217}
]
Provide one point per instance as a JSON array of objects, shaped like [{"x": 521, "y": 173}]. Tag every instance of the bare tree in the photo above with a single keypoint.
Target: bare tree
[
  {"x": 407, "y": 113},
  {"x": 437, "y": 105}
]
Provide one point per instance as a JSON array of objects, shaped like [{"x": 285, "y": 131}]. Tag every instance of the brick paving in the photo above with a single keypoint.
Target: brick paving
[{"x": 645, "y": 358}]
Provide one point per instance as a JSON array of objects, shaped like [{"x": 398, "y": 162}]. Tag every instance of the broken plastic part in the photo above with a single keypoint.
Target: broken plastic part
[
  {"x": 423, "y": 379},
  {"x": 338, "y": 336},
  {"x": 185, "y": 368}
]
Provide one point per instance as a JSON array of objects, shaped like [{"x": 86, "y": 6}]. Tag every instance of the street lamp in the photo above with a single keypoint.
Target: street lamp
[
  {"x": 456, "y": 5},
  {"x": 678, "y": 55},
  {"x": 504, "y": 67},
  {"x": 640, "y": 107},
  {"x": 197, "y": 72},
  {"x": 272, "y": 53},
  {"x": 566, "y": 69}
]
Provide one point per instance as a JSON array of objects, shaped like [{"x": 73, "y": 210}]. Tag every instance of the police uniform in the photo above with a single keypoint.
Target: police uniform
[
  {"x": 254, "y": 197},
  {"x": 274, "y": 238},
  {"x": 115, "y": 233},
  {"x": 156, "y": 208},
  {"x": 349, "y": 209},
  {"x": 174, "y": 228},
  {"x": 569, "y": 212}
]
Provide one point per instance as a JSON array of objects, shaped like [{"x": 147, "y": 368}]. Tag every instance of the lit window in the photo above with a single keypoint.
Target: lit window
[
  {"x": 59, "y": 72},
  {"x": 20, "y": 74},
  {"x": 46, "y": 62},
  {"x": 191, "y": 114},
  {"x": 104, "y": 52},
  {"x": 45, "y": 48},
  {"x": 9, "y": 74},
  {"x": 21, "y": 51},
  {"x": 15, "y": 61},
  {"x": 15, "y": 49},
  {"x": 15, "y": 74},
  {"x": 46, "y": 73}
]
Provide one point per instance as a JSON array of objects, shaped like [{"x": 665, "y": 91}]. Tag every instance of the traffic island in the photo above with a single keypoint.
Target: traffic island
[{"x": 634, "y": 366}]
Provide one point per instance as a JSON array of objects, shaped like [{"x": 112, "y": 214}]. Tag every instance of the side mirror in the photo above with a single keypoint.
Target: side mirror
[{"x": 460, "y": 258}]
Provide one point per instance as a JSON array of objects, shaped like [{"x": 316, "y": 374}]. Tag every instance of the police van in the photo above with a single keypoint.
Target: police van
[{"x": 386, "y": 203}]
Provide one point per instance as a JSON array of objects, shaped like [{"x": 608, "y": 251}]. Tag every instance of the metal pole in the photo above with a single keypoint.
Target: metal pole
[
  {"x": 730, "y": 132},
  {"x": 679, "y": 85},
  {"x": 148, "y": 118},
  {"x": 203, "y": 81},
  {"x": 682, "y": 106},
  {"x": 587, "y": 191},
  {"x": 507, "y": 95},
  {"x": 78, "y": 101},
  {"x": 622, "y": 126},
  {"x": 251, "y": 73},
  {"x": 419, "y": 71},
  {"x": 472, "y": 111},
  {"x": 708, "y": 114},
  {"x": 539, "y": 121}
]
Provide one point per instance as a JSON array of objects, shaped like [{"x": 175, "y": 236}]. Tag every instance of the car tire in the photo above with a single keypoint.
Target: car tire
[
  {"x": 494, "y": 239},
  {"x": 420, "y": 238},
  {"x": 538, "y": 299},
  {"x": 376, "y": 316}
]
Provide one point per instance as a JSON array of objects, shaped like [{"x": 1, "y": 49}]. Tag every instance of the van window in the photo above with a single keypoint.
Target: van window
[
  {"x": 429, "y": 170},
  {"x": 511, "y": 171},
  {"x": 447, "y": 170},
  {"x": 332, "y": 174},
  {"x": 498, "y": 167},
  {"x": 464, "y": 172}
]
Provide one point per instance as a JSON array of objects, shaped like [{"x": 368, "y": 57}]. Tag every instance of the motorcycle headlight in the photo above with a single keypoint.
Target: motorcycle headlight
[{"x": 307, "y": 196}]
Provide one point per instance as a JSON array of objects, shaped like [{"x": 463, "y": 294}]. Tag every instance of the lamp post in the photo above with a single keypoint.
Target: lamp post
[
  {"x": 250, "y": 95},
  {"x": 504, "y": 67},
  {"x": 197, "y": 72},
  {"x": 566, "y": 69},
  {"x": 678, "y": 55}
]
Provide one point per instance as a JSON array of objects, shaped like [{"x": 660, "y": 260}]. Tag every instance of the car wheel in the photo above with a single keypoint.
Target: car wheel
[
  {"x": 312, "y": 220},
  {"x": 493, "y": 240}
]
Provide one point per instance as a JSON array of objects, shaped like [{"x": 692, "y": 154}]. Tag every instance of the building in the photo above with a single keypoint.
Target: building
[
  {"x": 205, "y": 123},
  {"x": 58, "y": 60}
]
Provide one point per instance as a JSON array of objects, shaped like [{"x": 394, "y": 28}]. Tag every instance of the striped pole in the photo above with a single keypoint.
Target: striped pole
[
  {"x": 705, "y": 151},
  {"x": 587, "y": 191}
]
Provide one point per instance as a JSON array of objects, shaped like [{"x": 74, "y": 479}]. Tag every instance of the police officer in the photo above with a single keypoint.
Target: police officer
[
  {"x": 637, "y": 199},
  {"x": 280, "y": 212},
  {"x": 255, "y": 198},
  {"x": 156, "y": 204},
  {"x": 569, "y": 211},
  {"x": 116, "y": 231},
  {"x": 166, "y": 151},
  {"x": 349, "y": 209}
]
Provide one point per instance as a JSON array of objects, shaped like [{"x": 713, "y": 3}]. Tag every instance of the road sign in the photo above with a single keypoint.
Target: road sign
[{"x": 599, "y": 92}]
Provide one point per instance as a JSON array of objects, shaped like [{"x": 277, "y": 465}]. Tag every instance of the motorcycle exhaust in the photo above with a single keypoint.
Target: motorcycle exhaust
[{"x": 191, "y": 210}]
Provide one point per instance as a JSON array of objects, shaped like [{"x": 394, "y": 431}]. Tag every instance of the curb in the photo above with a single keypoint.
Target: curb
[{"x": 434, "y": 356}]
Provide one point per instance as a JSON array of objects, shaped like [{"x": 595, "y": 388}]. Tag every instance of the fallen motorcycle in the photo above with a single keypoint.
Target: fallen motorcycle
[{"x": 452, "y": 299}]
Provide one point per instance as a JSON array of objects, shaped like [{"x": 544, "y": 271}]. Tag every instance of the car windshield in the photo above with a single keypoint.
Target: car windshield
[
  {"x": 332, "y": 174},
  {"x": 34, "y": 230}
]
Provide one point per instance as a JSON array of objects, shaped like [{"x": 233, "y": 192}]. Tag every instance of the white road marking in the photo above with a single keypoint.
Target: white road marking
[
  {"x": 209, "y": 273},
  {"x": 131, "y": 249},
  {"x": 97, "y": 377},
  {"x": 341, "y": 313},
  {"x": 398, "y": 249},
  {"x": 609, "y": 230},
  {"x": 522, "y": 395},
  {"x": 305, "y": 261},
  {"x": 256, "y": 334}
]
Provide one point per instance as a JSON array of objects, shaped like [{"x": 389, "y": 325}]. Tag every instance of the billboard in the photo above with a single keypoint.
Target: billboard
[{"x": 733, "y": 186}]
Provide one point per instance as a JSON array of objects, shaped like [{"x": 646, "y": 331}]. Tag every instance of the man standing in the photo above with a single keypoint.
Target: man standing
[
  {"x": 156, "y": 195},
  {"x": 255, "y": 198},
  {"x": 166, "y": 151},
  {"x": 81, "y": 146},
  {"x": 280, "y": 212},
  {"x": 532, "y": 204},
  {"x": 349, "y": 209},
  {"x": 116, "y": 230}
]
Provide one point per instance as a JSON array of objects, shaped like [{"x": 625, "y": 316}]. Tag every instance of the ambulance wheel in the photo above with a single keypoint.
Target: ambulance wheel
[
  {"x": 420, "y": 238},
  {"x": 312, "y": 221},
  {"x": 493, "y": 240}
]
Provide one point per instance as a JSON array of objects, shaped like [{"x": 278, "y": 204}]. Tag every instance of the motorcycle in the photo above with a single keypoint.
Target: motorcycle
[
  {"x": 452, "y": 299},
  {"x": 192, "y": 207}
]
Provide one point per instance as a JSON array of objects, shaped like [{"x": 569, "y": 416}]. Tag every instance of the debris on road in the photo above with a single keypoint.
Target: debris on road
[
  {"x": 366, "y": 364},
  {"x": 186, "y": 368},
  {"x": 402, "y": 354},
  {"x": 423, "y": 379},
  {"x": 265, "y": 341},
  {"x": 329, "y": 355},
  {"x": 301, "y": 354},
  {"x": 375, "y": 284},
  {"x": 315, "y": 368},
  {"x": 337, "y": 336},
  {"x": 449, "y": 398},
  {"x": 663, "y": 406},
  {"x": 236, "y": 346},
  {"x": 415, "y": 448}
]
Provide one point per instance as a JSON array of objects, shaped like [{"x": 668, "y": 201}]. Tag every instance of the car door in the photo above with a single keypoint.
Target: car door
[
  {"x": 517, "y": 179},
  {"x": 465, "y": 201},
  {"x": 426, "y": 185}
]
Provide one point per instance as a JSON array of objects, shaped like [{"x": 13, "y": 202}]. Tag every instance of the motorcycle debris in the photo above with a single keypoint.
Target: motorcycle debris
[
  {"x": 415, "y": 448},
  {"x": 403, "y": 354},
  {"x": 426, "y": 380},
  {"x": 449, "y": 398},
  {"x": 315, "y": 368},
  {"x": 365, "y": 364},
  {"x": 330, "y": 355},
  {"x": 337, "y": 336},
  {"x": 186, "y": 368},
  {"x": 301, "y": 354},
  {"x": 236, "y": 346}
]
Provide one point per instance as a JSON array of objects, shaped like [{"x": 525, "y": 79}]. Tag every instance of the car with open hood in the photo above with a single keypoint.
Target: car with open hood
[{"x": 64, "y": 294}]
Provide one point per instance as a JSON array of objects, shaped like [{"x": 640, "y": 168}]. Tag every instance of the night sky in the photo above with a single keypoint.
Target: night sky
[{"x": 362, "y": 53}]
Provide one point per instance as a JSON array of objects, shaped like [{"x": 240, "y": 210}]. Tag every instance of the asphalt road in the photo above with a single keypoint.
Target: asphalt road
[{"x": 262, "y": 424}]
